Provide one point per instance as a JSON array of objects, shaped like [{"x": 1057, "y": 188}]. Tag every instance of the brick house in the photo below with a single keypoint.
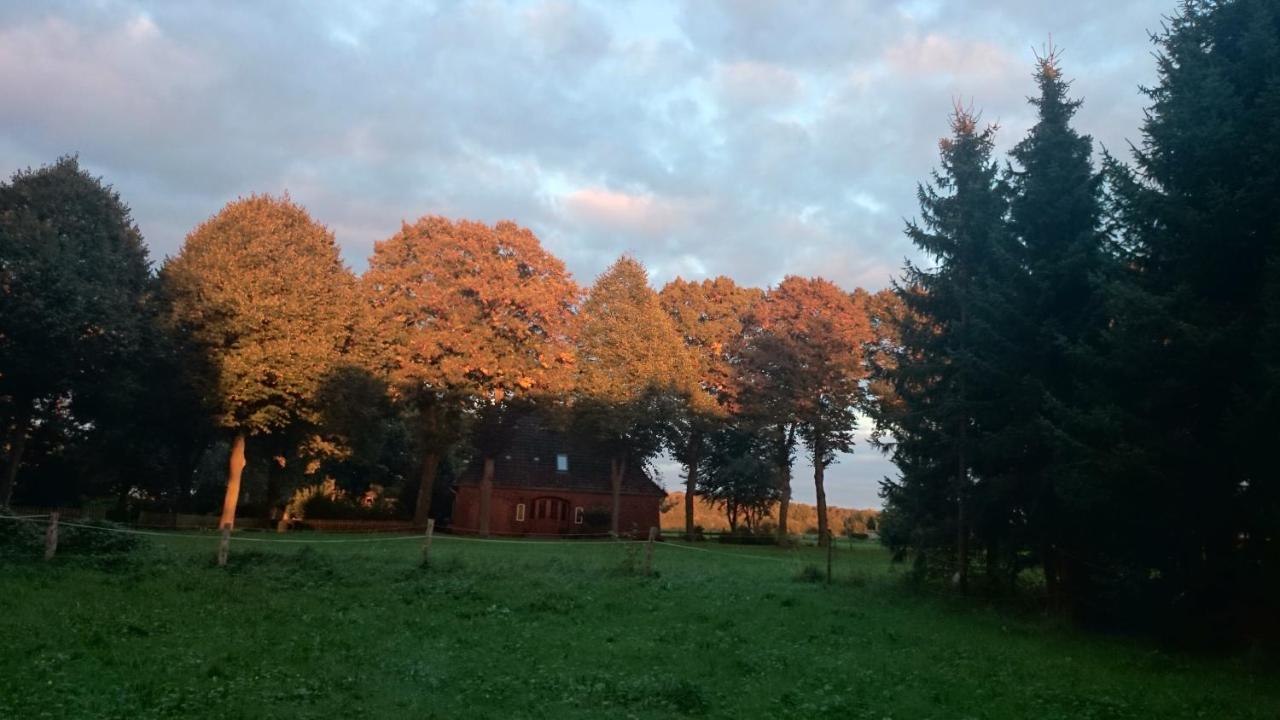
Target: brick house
[{"x": 548, "y": 483}]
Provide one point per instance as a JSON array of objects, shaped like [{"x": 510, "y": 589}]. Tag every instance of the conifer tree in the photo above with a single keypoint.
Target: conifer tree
[
  {"x": 260, "y": 291},
  {"x": 1193, "y": 328},
  {"x": 1056, "y": 216},
  {"x": 951, "y": 336}
]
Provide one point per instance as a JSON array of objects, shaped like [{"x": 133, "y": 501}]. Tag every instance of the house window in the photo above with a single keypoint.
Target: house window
[
  {"x": 562, "y": 462},
  {"x": 577, "y": 516},
  {"x": 520, "y": 512},
  {"x": 550, "y": 509}
]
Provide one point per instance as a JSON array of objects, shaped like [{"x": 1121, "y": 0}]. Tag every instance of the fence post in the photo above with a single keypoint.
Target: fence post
[
  {"x": 51, "y": 536},
  {"x": 648, "y": 551},
  {"x": 426, "y": 543},
  {"x": 831, "y": 542},
  {"x": 224, "y": 545}
]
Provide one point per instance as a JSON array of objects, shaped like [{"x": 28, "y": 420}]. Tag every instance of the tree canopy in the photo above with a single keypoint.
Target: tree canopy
[
  {"x": 74, "y": 293},
  {"x": 260, "y": 289}
]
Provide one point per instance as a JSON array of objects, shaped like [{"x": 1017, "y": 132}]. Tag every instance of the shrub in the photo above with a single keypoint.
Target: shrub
[
  {"x": 87, "y": 538},
  {"x": 811, "y": 574},
  {"x": 743, "y": 536},
  {"x": 97, "y": 538},
  {"x": 325, "y": 501},
  {"x": 19, "y": 538},
  {"x": 597, "y": 517}
]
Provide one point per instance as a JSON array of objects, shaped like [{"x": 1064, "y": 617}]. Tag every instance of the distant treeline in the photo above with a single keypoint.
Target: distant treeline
[{"x": 801, "y": 517}]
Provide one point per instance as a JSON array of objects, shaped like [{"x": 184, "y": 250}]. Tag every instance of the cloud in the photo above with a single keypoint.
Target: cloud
[
  {"x": 748, "y": 83},
  {"x": 936, "y": 54}
]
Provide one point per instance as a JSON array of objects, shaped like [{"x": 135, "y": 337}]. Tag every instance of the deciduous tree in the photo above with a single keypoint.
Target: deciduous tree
[
  {"x": 260, "y": 289},
  {"x": 469, "y": 318},
  {"x": 741, "y": 476},
  {"x": 74, "y": 285},
  {"x": 802, "y": 368},
  {"x": 709, "y": 316},
  {"x": 633, "y": 368}
]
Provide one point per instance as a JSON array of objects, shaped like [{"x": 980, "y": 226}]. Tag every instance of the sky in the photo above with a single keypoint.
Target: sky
[{"x": 751, "y": 139}]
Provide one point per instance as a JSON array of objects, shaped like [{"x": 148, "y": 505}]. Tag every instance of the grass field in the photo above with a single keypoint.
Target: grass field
[{"x": 540, "y": 630}]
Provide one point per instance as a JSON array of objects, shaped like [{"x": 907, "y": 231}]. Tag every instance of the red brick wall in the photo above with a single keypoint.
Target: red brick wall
[{"x": 638, "y": 513}]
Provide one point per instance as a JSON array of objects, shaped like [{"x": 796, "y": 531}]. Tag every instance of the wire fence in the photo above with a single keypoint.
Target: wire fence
[{"x": 452, "y": 536}]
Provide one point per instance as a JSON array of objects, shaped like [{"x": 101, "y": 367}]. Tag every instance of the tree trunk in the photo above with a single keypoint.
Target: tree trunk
[
  {"x": 486, "y": 496},
  {"x": 788, "y": 437},
  {"x": 819, "y": 471},
  {"x": 691, "y": 484},
  {"x": 17, "y": 444},
  {"x": 426, "y": 485},
  {"x": 616, "y": 466},
  {"x": 784, "y": 504},
  {"x": 273, "y": 488},
  {"x": 962, "y": 522},
  {"x": 235, "y": 467}
]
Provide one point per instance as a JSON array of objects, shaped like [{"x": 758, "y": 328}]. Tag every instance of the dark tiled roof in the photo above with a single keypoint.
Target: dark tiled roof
[{"x": 530, "y": 462}]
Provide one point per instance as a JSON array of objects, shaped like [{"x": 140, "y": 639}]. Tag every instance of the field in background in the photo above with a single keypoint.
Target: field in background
[
  {"x": 801, "y": 517},
  {"x": 528, "y": 629}
]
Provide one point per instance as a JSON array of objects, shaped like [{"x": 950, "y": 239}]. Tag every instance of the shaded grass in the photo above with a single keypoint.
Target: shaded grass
[{"x": 540, "y": 630}]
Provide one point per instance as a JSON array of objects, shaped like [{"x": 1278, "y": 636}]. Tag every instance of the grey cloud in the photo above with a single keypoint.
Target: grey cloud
[{"x": 753, "y": 139}]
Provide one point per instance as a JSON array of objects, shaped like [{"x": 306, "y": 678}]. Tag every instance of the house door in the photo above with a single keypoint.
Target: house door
[{"x": 549, "y": 516}]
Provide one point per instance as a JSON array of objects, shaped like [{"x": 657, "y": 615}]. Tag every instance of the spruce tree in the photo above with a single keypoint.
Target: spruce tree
[
  {"x": 944, "y": 374},
  {"x": 1056, "y": 217},
  {"x": 1194, "y": 322}
]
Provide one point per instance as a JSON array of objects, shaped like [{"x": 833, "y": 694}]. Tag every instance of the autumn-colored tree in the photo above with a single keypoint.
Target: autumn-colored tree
[
  {"x": 709, "y": 316},
  {"x": 469, "y": 318},
  {"x": 261, "y": 290},
  {"x": 632, "y": 369},
  {"x": 74, "y": 279},
  {"x": 801, "y": 369}
]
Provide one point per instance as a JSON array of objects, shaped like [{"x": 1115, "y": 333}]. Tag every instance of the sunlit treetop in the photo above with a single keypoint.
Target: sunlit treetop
[
  {"x": 464, "y": 308},
  {"x": 261, "y": 289}
]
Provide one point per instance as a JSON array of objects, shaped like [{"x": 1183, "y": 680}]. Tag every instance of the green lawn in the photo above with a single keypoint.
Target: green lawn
[{"x": 542, "y": 630}]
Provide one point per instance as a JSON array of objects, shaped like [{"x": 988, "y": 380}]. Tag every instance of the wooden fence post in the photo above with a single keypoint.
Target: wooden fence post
[
  {"x": 831, "y": 543},
  {"x": 426, "y": 543},
  {"x": 51, "y": 536},
  {"x": 224, "y": 545},
  {"x": 648, "y": 551}
]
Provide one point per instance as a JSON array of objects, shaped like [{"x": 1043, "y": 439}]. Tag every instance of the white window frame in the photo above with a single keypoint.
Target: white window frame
[
  {"x": 520, "y": 512},
  {"x": 562, "y": 462},
  {"x": 577, "y": 516}
]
